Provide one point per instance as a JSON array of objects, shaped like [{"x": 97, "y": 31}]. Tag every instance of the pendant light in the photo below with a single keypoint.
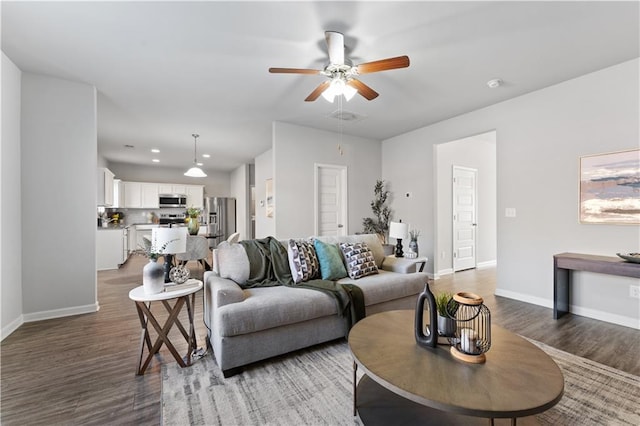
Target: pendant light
[{"x": 195, "y": 171}]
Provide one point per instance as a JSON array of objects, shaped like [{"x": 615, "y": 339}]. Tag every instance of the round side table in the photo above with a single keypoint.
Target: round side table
[{"x": 180, "y": 293}]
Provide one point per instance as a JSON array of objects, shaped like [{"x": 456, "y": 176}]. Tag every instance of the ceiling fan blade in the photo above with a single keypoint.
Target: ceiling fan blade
[
  {"x": 335, "y": 47},
  {"x": 293, "y": 71},
  {"x": 363, "y": 89},
  {"x": 383, "y": 65},
  {"x": 317, "y": 92}
]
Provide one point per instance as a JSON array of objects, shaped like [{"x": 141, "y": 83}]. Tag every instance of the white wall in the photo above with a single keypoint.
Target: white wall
[
  {"x": 240, "y": 191},
  {"x": 477, "y": 152},
  {"x": 265, "y": 226},
  {"x": 10, "y": 212},
  {"x": 540, "y": 137},
  {"x": 296, "y": 150},
  {"x": 58, "y": 174},
  {"x": 216, "y": 184}
]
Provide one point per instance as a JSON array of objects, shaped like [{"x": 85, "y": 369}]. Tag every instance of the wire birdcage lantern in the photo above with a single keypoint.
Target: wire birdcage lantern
[{"x": 472, "y": 338}]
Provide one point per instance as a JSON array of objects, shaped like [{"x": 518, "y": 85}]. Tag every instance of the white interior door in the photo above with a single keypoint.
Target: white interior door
[
  {"x": 464, "y": 218},
  {"x": 331, "y": 200}
]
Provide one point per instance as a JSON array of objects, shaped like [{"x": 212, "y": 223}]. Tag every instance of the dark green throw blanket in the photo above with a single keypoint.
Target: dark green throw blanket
[{"x": 269, "y": 266}]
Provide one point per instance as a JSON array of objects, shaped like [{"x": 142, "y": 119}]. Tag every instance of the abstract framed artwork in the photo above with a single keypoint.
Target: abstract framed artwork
[
  {"x": 269, "y": 196},
  {"x": 610, "y": 188}
]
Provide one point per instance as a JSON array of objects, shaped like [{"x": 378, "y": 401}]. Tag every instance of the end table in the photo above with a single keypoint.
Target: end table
[{"x": 180, "y": 293}]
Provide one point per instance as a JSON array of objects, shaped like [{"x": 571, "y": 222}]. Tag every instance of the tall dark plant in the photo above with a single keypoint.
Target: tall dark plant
[{"x": 380, "y": 223}]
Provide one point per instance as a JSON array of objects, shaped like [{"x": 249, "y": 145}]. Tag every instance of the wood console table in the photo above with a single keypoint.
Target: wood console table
[{"x": 564, "y": 263}]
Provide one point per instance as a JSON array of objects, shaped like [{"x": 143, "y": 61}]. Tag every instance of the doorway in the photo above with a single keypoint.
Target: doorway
[
  {"x": 330, "y": 200},
  {"x": 476, "y": 152}
]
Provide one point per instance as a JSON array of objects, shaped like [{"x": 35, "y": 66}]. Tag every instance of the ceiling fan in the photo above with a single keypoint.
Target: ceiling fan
[{"x": 342, "y": 74}]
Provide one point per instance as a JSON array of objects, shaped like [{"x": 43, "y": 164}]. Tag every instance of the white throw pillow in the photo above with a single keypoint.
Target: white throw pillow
[{"x": 233, "y": 262}]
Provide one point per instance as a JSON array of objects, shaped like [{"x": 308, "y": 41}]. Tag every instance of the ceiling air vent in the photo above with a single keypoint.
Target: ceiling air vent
[{"x": 346, "y": 116}]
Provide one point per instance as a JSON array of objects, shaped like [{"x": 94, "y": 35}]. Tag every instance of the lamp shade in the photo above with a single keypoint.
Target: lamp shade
[
  {"x": 398, "y": 230},
  {"x": 169, "y": 240},
  {"x": 195, "y": 172}
]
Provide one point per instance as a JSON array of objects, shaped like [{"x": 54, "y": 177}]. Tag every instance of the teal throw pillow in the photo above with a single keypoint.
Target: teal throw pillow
[{"x": 330, "y": 259}]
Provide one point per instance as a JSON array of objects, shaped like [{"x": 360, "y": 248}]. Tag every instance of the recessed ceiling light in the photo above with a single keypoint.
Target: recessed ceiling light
[
  {"x": 155, "y": 150},
  {"x": 206, "y": 155},
  {"x": 496, "y": 82},
  {"x": 200, "y": 164},
  {"x": 155, "y": 160}
]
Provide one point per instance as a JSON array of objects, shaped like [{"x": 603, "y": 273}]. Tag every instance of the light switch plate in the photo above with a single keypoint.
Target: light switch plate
[{"x": 510, "y": 212}]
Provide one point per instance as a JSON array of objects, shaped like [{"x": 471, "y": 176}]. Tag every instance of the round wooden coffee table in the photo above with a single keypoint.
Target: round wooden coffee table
[{"x": 405, "y": 383}]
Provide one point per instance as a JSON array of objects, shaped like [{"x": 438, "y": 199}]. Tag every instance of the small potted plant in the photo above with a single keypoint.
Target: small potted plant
[
  {"x": 153, "y": 273},
  {"x": 446, "y": 324},
  {"x": 380, "y": 223},
  {"x": 194, "y": 223}
]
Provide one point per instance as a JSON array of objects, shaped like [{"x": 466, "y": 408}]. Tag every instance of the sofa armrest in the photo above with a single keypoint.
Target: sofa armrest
[
  {"x": 223, "y": 291},
  {"x": 398, "y": 264},
  {"x": 218, "y": 292}
]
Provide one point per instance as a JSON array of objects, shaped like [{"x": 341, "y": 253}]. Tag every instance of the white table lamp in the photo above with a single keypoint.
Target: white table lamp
[{"x": 398, "y": 230}]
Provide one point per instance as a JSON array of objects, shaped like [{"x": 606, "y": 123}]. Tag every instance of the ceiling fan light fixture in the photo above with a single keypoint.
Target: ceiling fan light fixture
[{"x": 195, "y": 171}]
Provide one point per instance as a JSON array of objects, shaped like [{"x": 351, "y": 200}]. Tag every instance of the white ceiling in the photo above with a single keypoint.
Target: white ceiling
[{"x": 164, "y": 70}]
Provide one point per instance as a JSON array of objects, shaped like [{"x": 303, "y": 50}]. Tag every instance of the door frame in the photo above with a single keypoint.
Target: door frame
[
  {"x": 455, "y": 212},
  {"x": 344, "y": 201}
]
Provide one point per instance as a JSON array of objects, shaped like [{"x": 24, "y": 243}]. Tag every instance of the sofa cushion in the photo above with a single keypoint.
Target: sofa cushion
[
  {"x": 386, "y": 286},
  {"x": 296, "y": 262},
  {"x": 330, "y": 258},
  {"x": 359, "y": 260},
  {"x": 268, "y": 307},
  {"x": 372, "y": 241},
  {"x": 232, "y": 262},
  {"x": 303, "y": 260}
]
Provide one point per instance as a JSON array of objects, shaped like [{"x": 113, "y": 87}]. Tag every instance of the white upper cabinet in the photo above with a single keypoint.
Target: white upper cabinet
[
  {"x": 105, "y": 187},
  {"x": 132, "y": 195},
  {"x": 145, "y": 195},
  {"x": 195, "y": 196},
  {"x": 172, "y": 188},
  {"x": 149, "y": 194}
]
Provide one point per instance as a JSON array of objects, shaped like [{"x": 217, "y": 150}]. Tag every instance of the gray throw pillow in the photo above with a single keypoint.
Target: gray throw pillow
[{"x": 233, "y": 262}]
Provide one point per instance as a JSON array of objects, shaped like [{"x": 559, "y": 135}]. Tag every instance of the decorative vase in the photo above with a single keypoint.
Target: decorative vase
[
  {"x": 446, "y": 326},
  {"x": 413, "y": 246},
  {"x": 194, "y": 226},
  {"x": 153, "y": 277},
  {"x": 427, "y": 338}
]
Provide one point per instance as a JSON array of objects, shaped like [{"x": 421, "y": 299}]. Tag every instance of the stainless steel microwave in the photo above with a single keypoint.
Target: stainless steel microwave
[{"x": 172, "y": 200}]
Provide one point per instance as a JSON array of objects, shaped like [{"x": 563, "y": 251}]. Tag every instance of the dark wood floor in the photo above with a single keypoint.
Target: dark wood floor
[{"x": 81, "y": 369}]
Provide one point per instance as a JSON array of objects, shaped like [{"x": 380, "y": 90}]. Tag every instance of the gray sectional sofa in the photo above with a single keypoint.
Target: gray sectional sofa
[{"x": 249, "y": 325}]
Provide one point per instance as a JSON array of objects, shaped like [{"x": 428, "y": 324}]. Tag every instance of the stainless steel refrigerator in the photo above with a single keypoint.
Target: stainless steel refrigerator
[{"x": 220, "y": 215}]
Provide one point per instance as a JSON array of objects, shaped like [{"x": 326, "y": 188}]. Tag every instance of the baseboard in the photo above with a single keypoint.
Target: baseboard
[
  {"x": 442, "y": 272},
  {"x": 487, "y": 264},
  {"x": 577, "y": 310},
  {"x": 11, "y": 327},
  {"x": 58, "y": 313}
]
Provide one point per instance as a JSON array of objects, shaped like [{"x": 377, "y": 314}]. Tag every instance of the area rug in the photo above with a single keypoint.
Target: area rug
[{"x": 314, "y": 387}]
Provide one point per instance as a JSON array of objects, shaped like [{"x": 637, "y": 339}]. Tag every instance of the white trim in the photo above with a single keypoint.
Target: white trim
[
  {"x": 11, "y": 327},
  {"x": 487, "y": 264},
  {"x": 447, "y": 271},
  {"x": 64, "y": 312},
  {"x": 577, "y": 310},
  {"x": 524, "y": 298}
]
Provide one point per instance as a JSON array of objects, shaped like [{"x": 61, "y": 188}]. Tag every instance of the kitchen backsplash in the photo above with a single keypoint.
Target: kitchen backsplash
[{"x": 140, "y": 216}]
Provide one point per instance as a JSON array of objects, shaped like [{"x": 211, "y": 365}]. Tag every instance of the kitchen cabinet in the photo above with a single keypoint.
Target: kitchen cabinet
[
  {"x": 195, "y": 196},
  {"x": 141, "y": 195},
  {"x": 110, "y": 252},
  {"x": 170, "y": 188},
  {"x": 105, "y": 187},
  {"x": 149, "y": 195},
  {"x": 142, "y": 231}
]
